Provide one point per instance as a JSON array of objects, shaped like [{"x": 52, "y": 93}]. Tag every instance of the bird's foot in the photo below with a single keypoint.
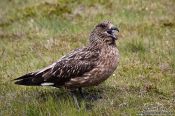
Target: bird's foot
[
  {"x": 73, "y": 94},
  {"x": 81, "y": 92}
]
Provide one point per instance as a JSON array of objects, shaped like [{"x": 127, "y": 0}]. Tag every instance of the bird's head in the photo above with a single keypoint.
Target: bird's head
[{"x": 104, "y": 32}]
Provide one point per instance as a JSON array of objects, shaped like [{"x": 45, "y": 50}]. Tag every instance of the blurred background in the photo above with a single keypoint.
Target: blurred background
[{"x": 35, "y": 33}]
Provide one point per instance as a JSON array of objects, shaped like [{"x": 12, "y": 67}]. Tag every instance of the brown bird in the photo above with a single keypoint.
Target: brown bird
[{"x": 82, "y": 67}]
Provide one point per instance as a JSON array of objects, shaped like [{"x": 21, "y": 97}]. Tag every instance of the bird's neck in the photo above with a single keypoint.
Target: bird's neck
[
  {"x": 98, "y": 41},
  {"x": 98, "y": 46}
]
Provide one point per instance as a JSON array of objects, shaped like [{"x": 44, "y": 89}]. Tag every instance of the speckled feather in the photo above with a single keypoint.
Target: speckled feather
[{"x": 82, "y": 67}]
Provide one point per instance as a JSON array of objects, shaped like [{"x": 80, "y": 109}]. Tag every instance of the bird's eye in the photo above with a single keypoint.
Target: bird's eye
[{"x": 101, "y": 25}]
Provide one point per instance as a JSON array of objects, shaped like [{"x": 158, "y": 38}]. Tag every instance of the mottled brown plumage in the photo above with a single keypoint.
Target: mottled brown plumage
[{"x": 82, "y": 67}]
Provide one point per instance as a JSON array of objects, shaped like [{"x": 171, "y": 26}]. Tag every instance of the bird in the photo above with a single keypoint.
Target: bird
[{"x": 82, "y": 67}]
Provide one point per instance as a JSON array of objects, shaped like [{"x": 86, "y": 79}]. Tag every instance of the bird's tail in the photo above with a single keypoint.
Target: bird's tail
[{"x": 29, "y": 80}]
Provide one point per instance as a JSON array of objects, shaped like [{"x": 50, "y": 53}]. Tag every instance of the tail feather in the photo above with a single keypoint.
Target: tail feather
[
  {"x": 29, "y": 80},
  {"x": 24, "y": 76}
]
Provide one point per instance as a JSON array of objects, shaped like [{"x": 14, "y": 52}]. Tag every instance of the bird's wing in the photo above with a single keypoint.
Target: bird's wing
[{"x": 70, "y": 66}]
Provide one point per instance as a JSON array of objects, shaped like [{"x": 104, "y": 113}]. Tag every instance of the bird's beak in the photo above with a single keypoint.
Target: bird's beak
[
  {"x": 112, "y": 31},
  {"x": 114, "y": 28}
]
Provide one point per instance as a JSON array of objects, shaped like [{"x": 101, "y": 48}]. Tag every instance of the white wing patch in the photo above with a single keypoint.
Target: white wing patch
[{"x": 47, "y": 84}]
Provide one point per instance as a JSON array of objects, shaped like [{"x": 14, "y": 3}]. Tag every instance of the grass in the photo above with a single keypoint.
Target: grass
[{"x": 34, "y": 33}]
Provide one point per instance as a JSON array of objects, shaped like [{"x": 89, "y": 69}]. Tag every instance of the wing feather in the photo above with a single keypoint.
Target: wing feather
[{"x": 70, "y": 66}]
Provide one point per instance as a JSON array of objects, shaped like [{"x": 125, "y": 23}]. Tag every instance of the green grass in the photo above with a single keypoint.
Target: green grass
[{"x": 34, "y": 33}]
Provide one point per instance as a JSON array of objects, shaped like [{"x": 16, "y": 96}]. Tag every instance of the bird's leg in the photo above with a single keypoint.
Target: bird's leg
[
  {"x": 81, "y": 92},
  {"x": 72, "y": 92}
]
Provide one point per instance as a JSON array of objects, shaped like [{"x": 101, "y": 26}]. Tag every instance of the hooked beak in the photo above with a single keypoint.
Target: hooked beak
[
  {"x": 114, "y": 28},
  {"x": 112, "y": 31}
]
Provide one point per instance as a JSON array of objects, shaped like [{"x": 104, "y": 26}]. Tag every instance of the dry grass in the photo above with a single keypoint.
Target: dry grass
[{"x": 36, "y": 33}]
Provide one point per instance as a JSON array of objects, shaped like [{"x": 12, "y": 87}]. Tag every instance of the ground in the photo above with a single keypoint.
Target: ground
[{"x": 35, "y": 33}]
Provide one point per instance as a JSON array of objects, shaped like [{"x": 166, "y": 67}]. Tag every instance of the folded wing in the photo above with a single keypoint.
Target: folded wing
[{"x": 73, "y": 65}]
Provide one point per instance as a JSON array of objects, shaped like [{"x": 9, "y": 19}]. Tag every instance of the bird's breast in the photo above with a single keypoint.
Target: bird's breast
[
  {"x": 109, "y": 58},
  {"x": 107, "y": 64}
]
